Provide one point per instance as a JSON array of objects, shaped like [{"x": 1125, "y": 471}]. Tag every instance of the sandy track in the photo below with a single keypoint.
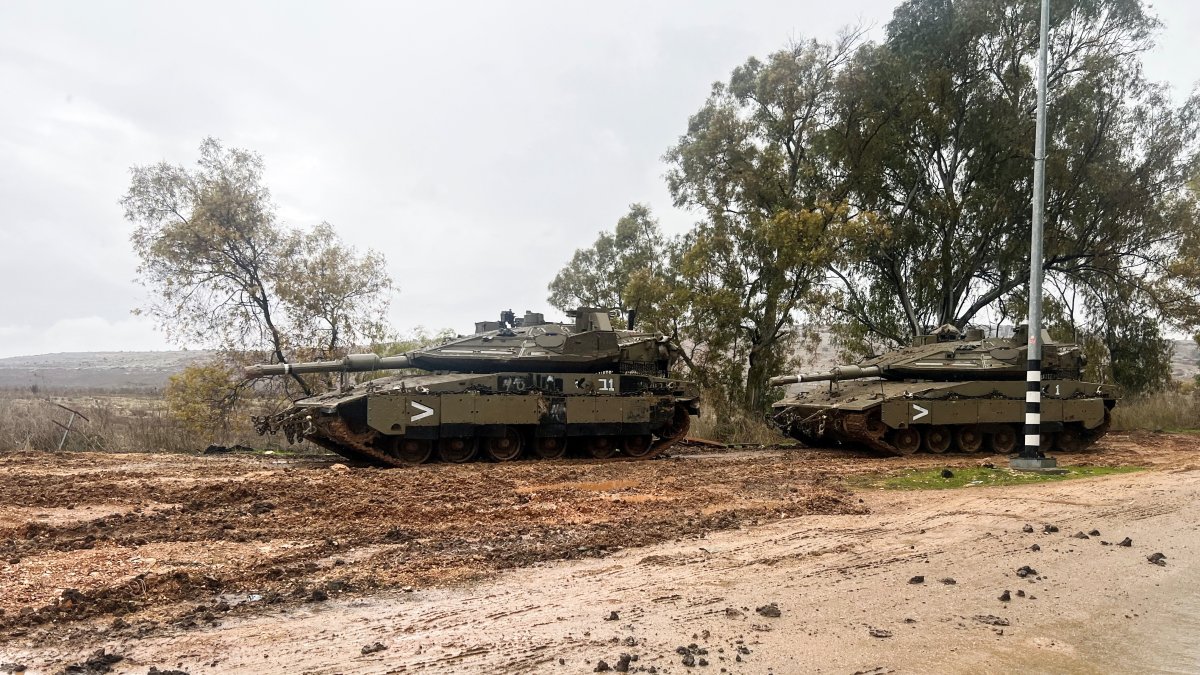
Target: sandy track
[{"x": 676, "y": 547}]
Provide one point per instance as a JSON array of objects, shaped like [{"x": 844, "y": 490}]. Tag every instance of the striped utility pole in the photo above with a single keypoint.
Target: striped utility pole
[{"x": 1031, "y": 454}]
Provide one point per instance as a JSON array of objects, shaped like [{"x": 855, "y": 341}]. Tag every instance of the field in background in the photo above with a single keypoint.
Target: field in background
[
  {"x": 115, "y": 423},
  {"x": 1166, "y": 411}
]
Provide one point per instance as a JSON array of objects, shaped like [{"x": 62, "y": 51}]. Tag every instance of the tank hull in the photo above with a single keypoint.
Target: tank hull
[
  {"x": 903, "y": 417},
  {"x": 410, "y": 419}
]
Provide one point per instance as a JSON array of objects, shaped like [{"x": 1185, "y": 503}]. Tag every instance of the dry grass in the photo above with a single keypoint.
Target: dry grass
[
  {"x": 727, "y": 425},
  {"x": 113, "y": 423},
  {"x": 1164, "y": 411}
]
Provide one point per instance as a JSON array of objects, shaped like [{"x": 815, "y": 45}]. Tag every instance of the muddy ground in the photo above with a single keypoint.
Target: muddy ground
[{"x": 148, "y": 556}]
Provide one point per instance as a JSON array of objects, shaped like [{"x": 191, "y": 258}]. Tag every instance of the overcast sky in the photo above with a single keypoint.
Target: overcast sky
[{"x": 476, "y": 144}]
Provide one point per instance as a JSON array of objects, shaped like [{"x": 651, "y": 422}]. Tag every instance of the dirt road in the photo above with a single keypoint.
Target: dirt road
[{"x": 248, "y": 564}]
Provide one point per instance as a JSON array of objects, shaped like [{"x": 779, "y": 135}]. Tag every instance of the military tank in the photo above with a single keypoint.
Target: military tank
[
  {"x": 950, "y": 390},
  {"x": 517, "y": 386}
]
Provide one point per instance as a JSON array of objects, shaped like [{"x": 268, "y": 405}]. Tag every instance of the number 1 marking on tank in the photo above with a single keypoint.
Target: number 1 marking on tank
[
  {"x": 918, "y": 415},
  {"x": 426, "y": 411}
]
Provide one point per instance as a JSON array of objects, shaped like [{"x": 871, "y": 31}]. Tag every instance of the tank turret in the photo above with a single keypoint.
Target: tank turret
[
  {"x": 949, "y": 389},
  {"x": 515, "y": 384},
  {"x": 948, "y": 355},
  {"x": 589, "y": 344}
]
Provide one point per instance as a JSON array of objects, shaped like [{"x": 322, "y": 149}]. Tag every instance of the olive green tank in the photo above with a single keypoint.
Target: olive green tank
[
  {"x": 948, "y": 392},
  {"x": 517, "y": 387}
]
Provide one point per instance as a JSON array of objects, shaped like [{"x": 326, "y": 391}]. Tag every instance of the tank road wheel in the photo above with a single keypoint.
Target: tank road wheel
[
  {"x": 601, "y": 447},
  {"x": 457, "y": 450},
  {"x": 504, "y": 448},
  {"x": 637, "y": 446},
  {"x": 968, "y": 438},
  {"x": 1068, "y": 440},
  {"x": 412, "y": 451},
  {"x": 937, "y": 439},
  {"x": 1003, "y": 441},
  {"x": 550, "y": 447},
  {"x": 907, "y": 440}
]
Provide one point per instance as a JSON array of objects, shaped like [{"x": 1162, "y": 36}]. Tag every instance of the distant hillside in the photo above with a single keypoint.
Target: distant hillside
[
  {"x": 141, "y": 371},
  {"x": 1186, "y": 362}
]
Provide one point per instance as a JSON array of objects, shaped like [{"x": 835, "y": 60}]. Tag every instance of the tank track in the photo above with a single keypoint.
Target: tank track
[
  {"x": 869, "y": 431},
  {"x": 337, "y": 437}
]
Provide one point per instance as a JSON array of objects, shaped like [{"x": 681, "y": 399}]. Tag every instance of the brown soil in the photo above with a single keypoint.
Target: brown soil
[{"x": 99, "y": 547}]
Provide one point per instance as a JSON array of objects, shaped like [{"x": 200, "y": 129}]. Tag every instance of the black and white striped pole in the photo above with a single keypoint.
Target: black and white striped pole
[{"x": 1031, "y": 456}]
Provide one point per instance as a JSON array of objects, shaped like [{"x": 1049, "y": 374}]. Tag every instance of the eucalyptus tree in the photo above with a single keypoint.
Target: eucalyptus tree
[{"x": 934, "y": 137}]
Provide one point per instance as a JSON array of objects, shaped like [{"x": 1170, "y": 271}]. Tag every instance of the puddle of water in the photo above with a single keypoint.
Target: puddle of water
[
  {"x": 1167, "y": 642},
  {"x": 1161, "y": 642}
]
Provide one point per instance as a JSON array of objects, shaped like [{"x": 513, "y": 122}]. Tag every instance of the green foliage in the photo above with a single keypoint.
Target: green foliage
[
  {"x": 333, "y": 296},
  {"x": 935, "y": 135},
  {"x": 616, "y": 272},
  {"x": 202, "y": 397},
  {"x": 750, "y": 162},
  {"x": 224, "y": 274},
  {"x": 931, "y": 479},
  {"x": 886, "y": 189}
]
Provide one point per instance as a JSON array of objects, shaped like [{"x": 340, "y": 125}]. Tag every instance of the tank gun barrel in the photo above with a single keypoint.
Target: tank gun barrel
[
  {"x": 838, "y": 373},
  {"x": 352, "y": 363}
]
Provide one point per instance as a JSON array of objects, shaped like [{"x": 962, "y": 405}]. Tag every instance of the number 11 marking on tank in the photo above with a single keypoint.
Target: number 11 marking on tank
[
  {"x": 918, "y": 415},
  {"x": 426, "y": 411}
]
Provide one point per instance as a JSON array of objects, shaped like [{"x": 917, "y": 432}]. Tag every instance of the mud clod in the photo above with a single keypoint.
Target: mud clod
[
  {"x": 99, "y": 662},
  {"x": 372, "y": 648},
  {"x": 771, "y": 610}
]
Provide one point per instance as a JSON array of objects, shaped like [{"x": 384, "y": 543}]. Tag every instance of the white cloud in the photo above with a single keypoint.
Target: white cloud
[{"x": 476, "y": 144}]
